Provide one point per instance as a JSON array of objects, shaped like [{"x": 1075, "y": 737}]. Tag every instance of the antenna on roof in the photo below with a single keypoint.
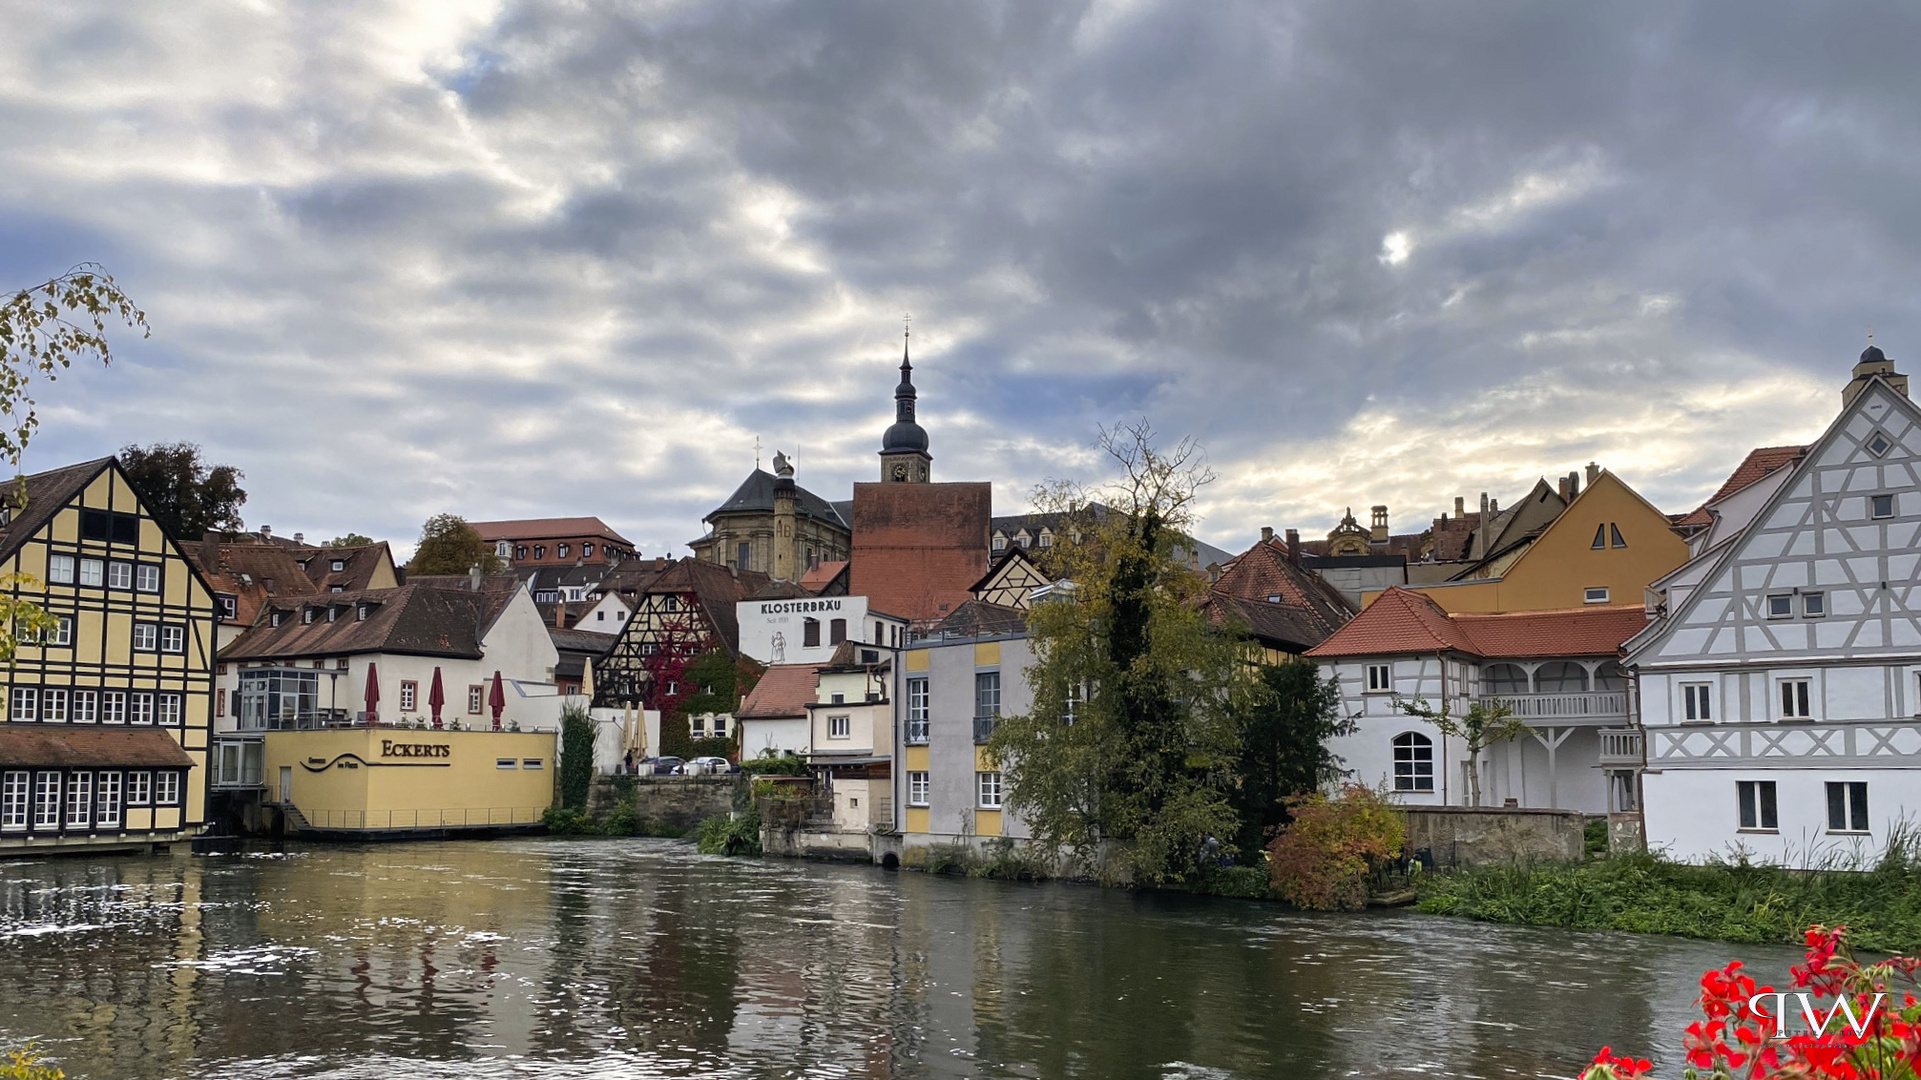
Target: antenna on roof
[{"x": 756, "y": 451}]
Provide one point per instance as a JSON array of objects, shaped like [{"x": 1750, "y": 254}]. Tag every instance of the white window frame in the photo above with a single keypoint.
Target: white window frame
[
  {"x": 86, "y": 707},
  {"x": 47, "y": 792},
  {"x": 506, "y": 763},
  {"x": 146, "y": 637},
  {"x": 409, "y": 695},
  {"x": 79, "y": 813},
  {"x": 62, "y": 631},
  {"x": 917, "y": 787},
  {"x": 61, "y": 570},
  {"x": 140, "y": 708},
  {"x": 93, "y": 573},
  {"x": 476, "y": 696},
  {"x": 173, "y": 639},
  {"x": 1379, "y": 678},
  {"x": 1784, "y": 602},
  {"x": 166, "y": 788},
  {"x": 24, "y": 707},
  {"x": 119, "y": 574},
  {"x": 16, "y": 799},
  {"x": 53, "y": 705},
  {"x": 988, "y": 793},
  {"x": 106, "y": 800},
  {"x": 1697, "y": 703},
  {"x": 146, "y": 578},
  {"x": 840, "y": 726},
  {"x": 533, "y": 763},
  {"x": 113, "y": 706},
  {"x": 1411, "y": 778},
  {"x": 172, "y": 710},
  {"x": 1794, "y": 692},
  {"x": 917, "y": 699},
  {"x": 140, "y": 788},
  {"x": 1814, "y": 605},
  {"x": 1595, "y": 594},
  {"x": 1874, "y": 507}
]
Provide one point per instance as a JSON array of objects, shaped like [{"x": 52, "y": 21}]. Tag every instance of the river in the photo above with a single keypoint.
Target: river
[{"x": 555, "y": 958}]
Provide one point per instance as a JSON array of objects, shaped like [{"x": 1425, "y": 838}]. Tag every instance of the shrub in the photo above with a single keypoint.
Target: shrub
[
  {"x": 24, "y": 1064},
  {"x": 1239, "y": 882},
  {"x": 711, "y": 748},
  {"x": 948, "y": 859},
  {"x": 1594, "y": 839},
  {"x": 576, "y": 756},
  {"x": 775, "y": 765},
  {"x": 1005, "y": 860},
  {"x": 562, "y": 821},
  {"x": 1322, "y": 859},
  {"x": 731, "y": 834},
  {"x": 624, "y": 821}
]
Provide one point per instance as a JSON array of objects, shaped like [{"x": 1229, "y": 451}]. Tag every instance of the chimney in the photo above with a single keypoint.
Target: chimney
[
  {"x": 1460, "y": 506},
  {"x": 473, "y": 578},
  {"x": 1593, "y": 473},
  {"x": 1480, "y": 529},
  {"x": 266, "y": 532},
  {"x": 1494, "y": 506},
  {"x": 560, "y": 615},
  {"x": 660, "y": 562},
  {"x": 1573, "y": 483},
  {"x": 1267, "y": 534},
  {"x": 1294, "y": 546},
  {"x": 1379, "y": 530},
  {"x": 1560, "y": 488}
]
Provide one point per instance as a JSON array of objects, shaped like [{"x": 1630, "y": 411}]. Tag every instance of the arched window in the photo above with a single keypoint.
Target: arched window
[{"x": 1413, "y": 762}]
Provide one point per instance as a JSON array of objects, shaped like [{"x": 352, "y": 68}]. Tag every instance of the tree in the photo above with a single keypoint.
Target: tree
[
  {"x": 188, "y": 497},
  {"x": 352, "y": 539},
  {"x": 1484, "y": 725},
  {"x": 1132, "y": 739},
  {"x": 448, "y": 545},
  {"x": 1283, "y": 746},
  {"x": 576, "y": 756},
  {"x": 43, "y": 329}
]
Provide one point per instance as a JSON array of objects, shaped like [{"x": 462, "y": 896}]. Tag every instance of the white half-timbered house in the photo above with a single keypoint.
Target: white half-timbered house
[{"x": 1780, "y": 688}]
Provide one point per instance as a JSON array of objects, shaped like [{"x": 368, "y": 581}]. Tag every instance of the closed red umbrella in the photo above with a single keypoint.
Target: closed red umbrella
[
  {"x": 497, "y": 700},
  {"x": 373, "y": 695},
  {"x": 436, "y": 697}
]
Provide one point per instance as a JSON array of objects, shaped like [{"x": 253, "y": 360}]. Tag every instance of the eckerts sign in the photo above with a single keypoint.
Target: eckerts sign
[
  {"x": 389, "y": 748},
  {"x": 797, "y": 606}
]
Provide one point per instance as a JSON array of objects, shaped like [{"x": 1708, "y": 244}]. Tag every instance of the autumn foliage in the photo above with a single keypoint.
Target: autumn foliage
[
  {"x": 1322, "y": 859},
  {"x": 1857, "y": 1022}
]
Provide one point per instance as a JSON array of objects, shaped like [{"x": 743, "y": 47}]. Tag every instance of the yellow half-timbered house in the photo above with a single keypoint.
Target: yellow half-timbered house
[{"x": 105, "y": 738}]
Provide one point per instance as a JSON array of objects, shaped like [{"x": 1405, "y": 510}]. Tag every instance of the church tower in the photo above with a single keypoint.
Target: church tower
[
  {"x": 1873, "y": 362},
  {"x": 903, "y": 450}
]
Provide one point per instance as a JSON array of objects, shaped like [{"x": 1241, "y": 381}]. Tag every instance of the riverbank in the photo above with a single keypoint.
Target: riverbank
[{"x": 1755, "y": 905}]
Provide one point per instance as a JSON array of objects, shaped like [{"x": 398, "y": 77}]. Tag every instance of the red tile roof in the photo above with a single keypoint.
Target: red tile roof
[
  {"x": 1760, "y": 462},
  {"x": 546, "y": 529},
  {"x": 918, "y": 548},
  {"x": 821, "y": 576},
  {"x": 784, "y": 692},
  {"x": 1278, "y": 600},
  {"x": 1405, "y": 621}
]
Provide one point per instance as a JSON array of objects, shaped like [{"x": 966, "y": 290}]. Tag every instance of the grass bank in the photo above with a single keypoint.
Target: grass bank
[{"x": 1760, "y": 905}]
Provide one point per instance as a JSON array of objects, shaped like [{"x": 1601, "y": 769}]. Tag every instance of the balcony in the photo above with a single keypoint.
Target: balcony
[
  {"x": 1620, "y": 746},
  {"x": 984, "y": 728},
  {"x": 296, "y": 720},
  {"x": 1578, "y": 708},
  {"x": 917, "y": 730}
]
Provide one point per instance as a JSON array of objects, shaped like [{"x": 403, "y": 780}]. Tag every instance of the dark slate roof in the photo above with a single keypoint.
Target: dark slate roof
[
  {"x": 47, "y": 492},
  {"x": 416, "y": 619},
  {"x": 255, "y": 574},
  {"x": 583, "y": 642},
  {"x": 977, "y": 618},
  {"x": 756, "y": 495},
  {"x": 362, "y": 560}
]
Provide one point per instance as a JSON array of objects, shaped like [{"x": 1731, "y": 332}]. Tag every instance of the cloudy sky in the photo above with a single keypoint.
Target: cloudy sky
[{"x": 573, "y": 258}]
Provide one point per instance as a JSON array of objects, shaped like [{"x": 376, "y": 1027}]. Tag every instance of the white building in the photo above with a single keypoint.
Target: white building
[
  {"x": 807, "y": 629},
  {"x": 1780, "y": 690}
]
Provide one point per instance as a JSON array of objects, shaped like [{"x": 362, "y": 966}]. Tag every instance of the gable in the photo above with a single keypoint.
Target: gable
[
  {"x": 1557, "y": 569},
  {"x": 1818, "y": 535}
]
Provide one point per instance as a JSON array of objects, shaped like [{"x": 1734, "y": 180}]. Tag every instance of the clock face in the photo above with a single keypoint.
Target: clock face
[{"x": 900, "y": 472}]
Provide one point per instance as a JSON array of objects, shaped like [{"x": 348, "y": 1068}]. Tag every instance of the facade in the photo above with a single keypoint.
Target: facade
[
  {"x": 952, "y": 689},
  {"x": 1780, "y": 688},
  {"x": 1267, "y": 593},
  {"x": 850, "y": 723},
  {"x": 1558, "y": 671},
  {"x": 919, "y": 548},
  {"x": 765, "y": 520},
  {"x": 383, "y": 781},
  {"x": 555, "y": 541},
  {"x": 685, "y": 609},
  {"x": 809, "y": 629},
  {"x": 1011, "y": 581},
  {"x": 105, "y": 739},
  {"x": 773, "y": 719}
]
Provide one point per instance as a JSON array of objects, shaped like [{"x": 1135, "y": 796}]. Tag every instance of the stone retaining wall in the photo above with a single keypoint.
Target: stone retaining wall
[
  {"x": 665, "y": 804},
  {"x": 1457, "y": 836}
]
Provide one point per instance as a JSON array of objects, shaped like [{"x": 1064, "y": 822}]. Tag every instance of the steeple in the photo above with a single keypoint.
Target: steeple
[
  {"x": 1873, "y": 362},
  {"x": 903, "y": 449}
]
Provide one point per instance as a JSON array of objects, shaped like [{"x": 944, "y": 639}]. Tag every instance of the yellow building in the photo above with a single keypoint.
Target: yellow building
[
  {"x": 386, "y": 780},
  {"x": 1604, "y": 549},
  {"x": 105, "y": 739}
]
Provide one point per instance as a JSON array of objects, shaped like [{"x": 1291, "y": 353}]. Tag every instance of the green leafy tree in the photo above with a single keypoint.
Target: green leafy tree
[
  {"x": 352, "y": 539},
  {"x": 189, "y": 497},
  {"x": 43, "y": 330},
  {"x": 1284, "y": 746},
  {"x": 576, "y": 757},
  {"x": 1132, "y": 740},
  {"x": 448, "y": 545},
  {"x": 1485, "y": 724}
]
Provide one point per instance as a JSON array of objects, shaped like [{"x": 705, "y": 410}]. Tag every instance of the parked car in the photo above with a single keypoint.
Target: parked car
[
  {"x": 716, "y": 765},
  {"x": 662, "y": 766}
]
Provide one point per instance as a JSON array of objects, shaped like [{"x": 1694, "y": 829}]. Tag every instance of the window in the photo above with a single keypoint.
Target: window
[
  {"x": 113, "y": 707},
  {"x": 1794, "y": 699},
  {"x": 26, "y": 705},
  {"x": 14, "y": 800},
  {"x": 741, "y": 552},
  {"x": 146, "y": 578},
  {"x": 600, "y": 616},
  {"x": 520, "y": 552},
  {"x": 409, "y": 690},
  {"x": 988, "y": 784},
  {"x": 1076, "y": 696},
  {"x": 1848, "y": 806},
  {"x": 1879, "y": 444},
  {"x": 1757, "y": 804},
  {"x": 93, "y": 572},
  {"x": 1881, "y": 506},
  {"x": 1596, "y": 595},
  {"x": 59, "y": 572},
  {"x": 1600, "y": 537},
  {"x": 1780, "y": 606},
  {"x": 540, "y": 551},
  {"x": 917, "y": 710},
  {"x": 987, "y": 694},
  {"x": 172, "y": 709},
  {"x": 1000, "y": 543},
  {"x": 107, "y": 803},
  {"x": 561, "y": 551},
  {"x": 62, "y": 633},
  {"x": 339, "y": 565},
  {"x": 1814, "y": 604},
  {"x": 1614, "y": 535},
  {"x": 53, "y": 705},
  {"x": 836, "y": 631},
  {"x": 809, "y": 633},
  {"x": 700, "y": 727},
  {"x": 106, "y": 525},
  {"x": 1380, "y": 678},
  {"x": 220, "y": 701},
  {"x": 79, "y": 798},
  {"x": 360, "y": 613},
  {"x": 146, "y": 637},
  {"x": 1413, "y": 762},
  {"x": 504, "y": 549},
  {"x": 139, "y": 788},
  {"x": 839, "y": 727},
  {"x": 586, "y": 551},
  {"x": 142, "y": 708},
  {"x": 837, "y": 698},
  {"x": 720, "y": 726},
  {"x": 532, "y": 763},
  {"x": 173, "y": 639},
  {"x": 333, "y": 613},
  {"x": 119, "y": 575},
  {"x": 1047, "y": 539},
  {"x": 166, "y": 788},
  {"x": 916, "y": 788},
  {"x": 85, "y": 706},
  {"x": 506, "y": 763},
  {"x": 46, "y": 800},
  {"x": 1697, "y": 701},
  {"x": 474, "y": 696}
]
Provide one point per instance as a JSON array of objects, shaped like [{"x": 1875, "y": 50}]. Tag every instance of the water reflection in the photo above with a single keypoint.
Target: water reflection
[{"x": 556, "y": 958}]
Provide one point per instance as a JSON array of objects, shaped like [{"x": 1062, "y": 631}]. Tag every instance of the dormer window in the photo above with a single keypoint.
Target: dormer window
[
  {"x": 586, "y": 551},
  {"x": 339, "y": 565},
  {"x": 273, "y": 619},
  {"x": 540, "y": 551},
  {"x": 561, "y": 551},
  {"x": 360, "y": 613},
  {"x": 1000, "y": 542},
  {"x": 332, "y": 613},
  {"x": 306, "y": 616}
]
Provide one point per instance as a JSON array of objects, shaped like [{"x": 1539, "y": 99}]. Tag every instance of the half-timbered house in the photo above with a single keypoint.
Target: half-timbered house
[
  {"x": 105, "y": 739},
  {"x": 685, "y": 610}
]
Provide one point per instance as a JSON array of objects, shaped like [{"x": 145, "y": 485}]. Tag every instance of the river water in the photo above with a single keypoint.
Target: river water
[{"x": 555, "y": 958}]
